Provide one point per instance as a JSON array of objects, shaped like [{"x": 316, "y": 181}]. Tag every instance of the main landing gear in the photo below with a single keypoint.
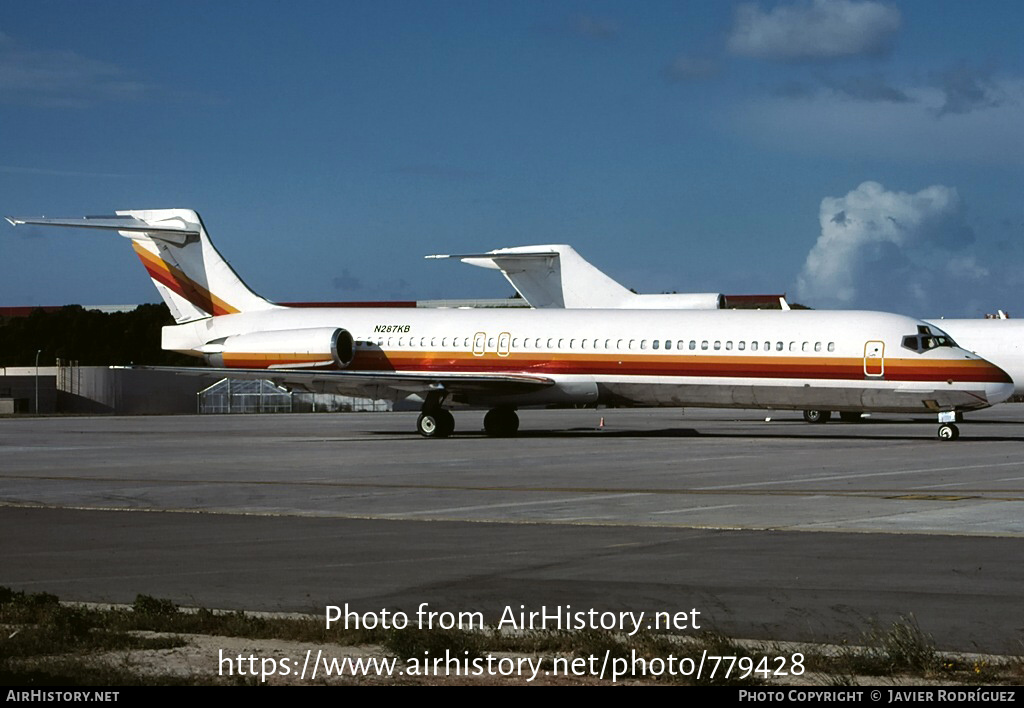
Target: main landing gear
[
  {"x": 437, "y": 422},
  {"x": 501, "y": 422}
]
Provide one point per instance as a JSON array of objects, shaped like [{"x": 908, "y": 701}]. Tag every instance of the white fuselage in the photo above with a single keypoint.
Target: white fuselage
[{"x": 793, "y": 359}]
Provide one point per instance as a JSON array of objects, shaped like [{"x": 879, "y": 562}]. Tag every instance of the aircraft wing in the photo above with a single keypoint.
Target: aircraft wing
[{"x": 370, "y": 383}]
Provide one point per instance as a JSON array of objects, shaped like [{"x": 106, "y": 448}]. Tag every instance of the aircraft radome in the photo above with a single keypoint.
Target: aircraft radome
[{"x": 504, "y": 359}]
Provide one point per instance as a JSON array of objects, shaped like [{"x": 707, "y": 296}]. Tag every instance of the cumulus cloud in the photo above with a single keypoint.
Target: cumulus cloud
[
  {"x": 881, "y": 249},
  {"x": 821, "y": 29}
]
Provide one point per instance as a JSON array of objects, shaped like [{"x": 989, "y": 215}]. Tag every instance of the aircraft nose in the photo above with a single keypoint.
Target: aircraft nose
[
  {"x": 998, "y": 392},
  {"x": 999, "y": 386}
]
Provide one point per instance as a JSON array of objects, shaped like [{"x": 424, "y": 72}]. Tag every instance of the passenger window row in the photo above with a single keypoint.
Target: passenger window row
[{"x": 561, "y": 344}]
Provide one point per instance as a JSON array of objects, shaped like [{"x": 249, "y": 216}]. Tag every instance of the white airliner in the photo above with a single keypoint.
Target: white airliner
[
  {"x": 535, "y": 271},
  {"x": 508, "y": 358}
]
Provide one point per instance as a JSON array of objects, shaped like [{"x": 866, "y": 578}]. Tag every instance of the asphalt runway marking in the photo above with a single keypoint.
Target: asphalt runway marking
[
  {"x": 864, "y": 475},
  {"x": 731, "y": 490},
  {"x": 696, "y": 508},
  {"x": 564, "y": 500}
]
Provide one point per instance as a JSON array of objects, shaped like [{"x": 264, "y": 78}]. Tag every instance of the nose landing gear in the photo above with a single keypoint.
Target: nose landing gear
[{"x": 947, "y": 425}]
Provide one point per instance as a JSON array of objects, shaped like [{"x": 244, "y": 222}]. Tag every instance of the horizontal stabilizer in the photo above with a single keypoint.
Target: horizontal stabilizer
[
  {"x": 499, "y": 254},
  {"x": 173, "y": 231}
]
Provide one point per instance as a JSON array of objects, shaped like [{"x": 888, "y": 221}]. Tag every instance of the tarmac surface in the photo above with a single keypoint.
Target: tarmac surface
[{"x": 770, "y": 529}]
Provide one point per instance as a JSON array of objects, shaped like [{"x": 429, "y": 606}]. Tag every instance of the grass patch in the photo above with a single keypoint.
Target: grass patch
[{"x": 43, "y": 642}]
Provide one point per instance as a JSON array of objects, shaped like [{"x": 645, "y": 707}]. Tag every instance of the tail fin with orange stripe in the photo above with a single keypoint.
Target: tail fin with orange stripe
[{"x": 192, "y": 277}]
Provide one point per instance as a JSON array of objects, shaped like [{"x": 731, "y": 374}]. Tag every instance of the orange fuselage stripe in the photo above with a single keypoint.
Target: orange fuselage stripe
[{"x": 969, "y": 370}]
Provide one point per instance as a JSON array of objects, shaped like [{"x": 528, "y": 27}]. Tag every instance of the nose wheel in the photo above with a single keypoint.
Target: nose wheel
[{"x": 948, "y": 431}]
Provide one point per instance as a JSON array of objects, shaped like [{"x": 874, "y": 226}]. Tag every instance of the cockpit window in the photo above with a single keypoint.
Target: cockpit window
[{"x": 926, "y": 339}]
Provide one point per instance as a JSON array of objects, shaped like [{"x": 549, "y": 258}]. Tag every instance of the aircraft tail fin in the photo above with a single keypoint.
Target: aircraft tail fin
[
  {"x": 557, "y": 276},
  {"x": 191, "y": 276},
  {"x": 551, "y": 276}
]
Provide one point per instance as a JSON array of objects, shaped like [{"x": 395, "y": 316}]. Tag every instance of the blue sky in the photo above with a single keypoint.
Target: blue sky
[{"x": 854, "y": 154}]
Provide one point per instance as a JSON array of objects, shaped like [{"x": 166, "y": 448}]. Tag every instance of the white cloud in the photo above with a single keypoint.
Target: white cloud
[
  {"x": 880, "y": 249},
  {"x": 822, "y": 29}
]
